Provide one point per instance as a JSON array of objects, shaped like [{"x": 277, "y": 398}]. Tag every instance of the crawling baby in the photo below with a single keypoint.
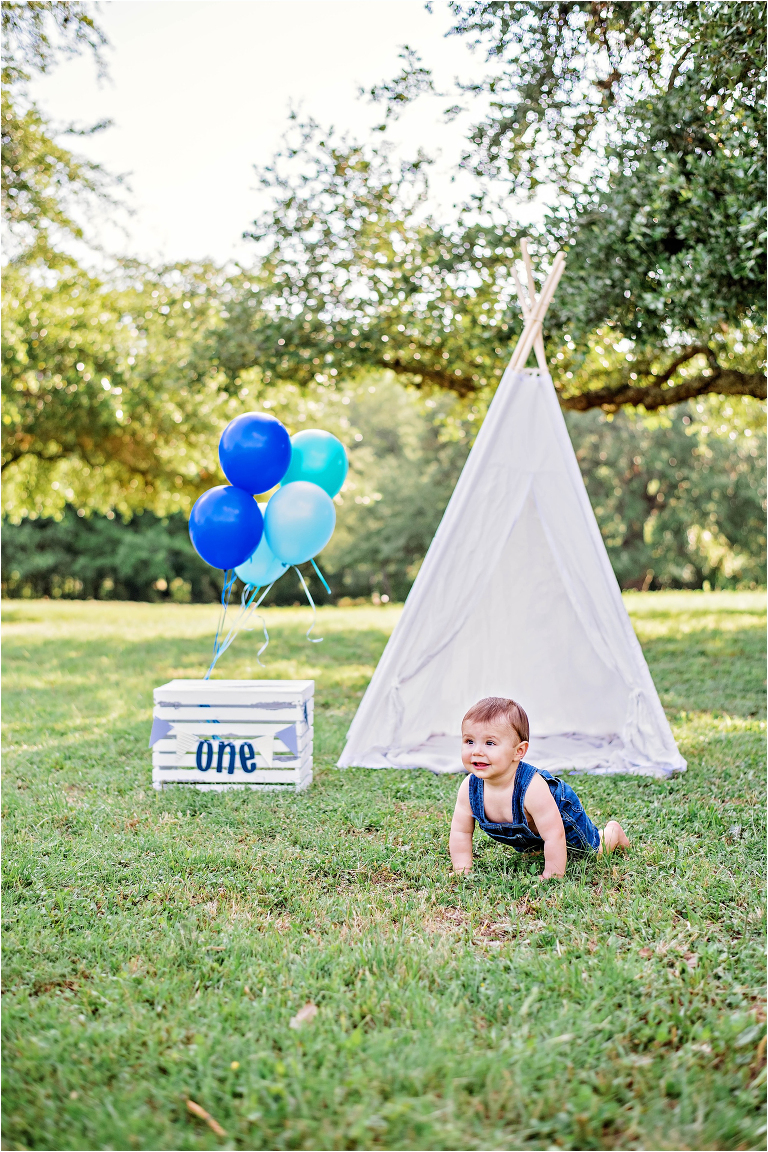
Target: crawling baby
[{"x": 512, "y": 801}]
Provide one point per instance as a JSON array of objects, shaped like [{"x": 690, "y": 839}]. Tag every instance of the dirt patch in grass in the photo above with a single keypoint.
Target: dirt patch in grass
[{"x": 447, "y": 921}]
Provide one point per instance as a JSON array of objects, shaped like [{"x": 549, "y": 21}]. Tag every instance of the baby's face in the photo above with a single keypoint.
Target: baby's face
[{"x": 490, "y": 750}]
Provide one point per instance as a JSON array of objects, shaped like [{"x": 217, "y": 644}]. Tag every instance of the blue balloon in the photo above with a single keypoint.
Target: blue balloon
[
  {"x": 255, "y": 451},
  {"x": 263, "y": 567},
  {"x": 299, "y": 521},
  {"x": 225, "y": 526},
  {"x": 319, "y": 457}
]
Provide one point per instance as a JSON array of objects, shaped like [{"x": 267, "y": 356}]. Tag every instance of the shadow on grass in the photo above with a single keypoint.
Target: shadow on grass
[
  {"x": 64, "y": 672},
  {"x": 720, "y": 672},
  {"x": 286, "y": 643},
  {"x": 700, "y": 671},
  {"x": 79, "y": 702}
]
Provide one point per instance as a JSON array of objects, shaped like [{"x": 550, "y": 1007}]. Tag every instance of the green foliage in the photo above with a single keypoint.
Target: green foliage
[
  {"x": 649, "y": 119},
  {"x": 405, "y": 456},
  {"x": 572, "y": 84},
  {"x": 47, "y": 191},
  {"x": 103, "y": 558},
  {"x": 157, "y": 946},
  {"x": 402, "y": 474},
  {"x": 117, "y": 386},
  {"x": 106, "y": 403},
  {"x": 354, "y": 276},
  {"x": 45, "y": 186},
  {"x": 679, "y": 501},
  {"x": 38, "y": 32},
  {"x": 668, "y": 245}
]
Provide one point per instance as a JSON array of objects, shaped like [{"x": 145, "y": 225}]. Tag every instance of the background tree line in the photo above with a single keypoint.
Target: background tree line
[
  {"x": 680, "y": 502},
  {"x": 363, "y": 313}
]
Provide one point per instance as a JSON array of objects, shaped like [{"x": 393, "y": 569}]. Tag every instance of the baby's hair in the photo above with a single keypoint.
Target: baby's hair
[{"x": 499, "y": 707}]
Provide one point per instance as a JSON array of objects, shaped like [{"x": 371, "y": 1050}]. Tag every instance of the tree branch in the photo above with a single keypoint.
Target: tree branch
[
  {"x": 12, "y": 456},
  {"x": 441, "y": 378},
  {"x": 726, "y": 382},
  {"x": 686, "y": 355},
  {"x": 722, "y": 381},
  {"x": 678, "y": 64}
]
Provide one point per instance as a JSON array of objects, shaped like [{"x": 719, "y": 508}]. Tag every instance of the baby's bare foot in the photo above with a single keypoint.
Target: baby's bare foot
[{"x": 613, "y": 836}]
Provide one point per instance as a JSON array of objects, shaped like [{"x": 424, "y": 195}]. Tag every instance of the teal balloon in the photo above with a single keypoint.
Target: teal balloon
[
  {"x": 299, "y": 521},
  {"x": 318, "y": 457},
  {"x": 262, "y": 567}
]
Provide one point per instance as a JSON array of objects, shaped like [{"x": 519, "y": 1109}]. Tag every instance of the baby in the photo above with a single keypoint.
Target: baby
[{"x": 512, "y": 801}]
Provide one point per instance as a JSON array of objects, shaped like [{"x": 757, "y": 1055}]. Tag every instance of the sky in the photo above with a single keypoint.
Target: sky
[{"x": 199, "y": 92}]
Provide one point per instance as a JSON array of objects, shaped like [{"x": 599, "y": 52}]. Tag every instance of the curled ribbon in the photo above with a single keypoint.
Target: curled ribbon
[
  {"x": 312, "y": 639},
  {"x": 248, "y": 605}
]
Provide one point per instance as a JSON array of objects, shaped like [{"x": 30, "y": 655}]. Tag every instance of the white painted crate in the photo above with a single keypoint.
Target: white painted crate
[{"x": 218, "y": 734}]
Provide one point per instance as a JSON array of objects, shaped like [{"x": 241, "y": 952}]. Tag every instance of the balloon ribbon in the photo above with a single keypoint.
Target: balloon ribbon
[
  {"x": 312, "y": 639},
  {"x": 248, "y": 605},
  {"x": 322, "y": 578},
  {"x": 226, "y": 593}
]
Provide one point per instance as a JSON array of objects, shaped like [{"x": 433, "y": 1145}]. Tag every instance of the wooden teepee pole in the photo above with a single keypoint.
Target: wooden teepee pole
[
  {"x": 534, "y": 317},
  {"x": 538, "y": 344},
  {"x": 525, "y": 308}
]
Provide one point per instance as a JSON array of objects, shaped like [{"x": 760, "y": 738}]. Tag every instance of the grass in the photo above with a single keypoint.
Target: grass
[{"x": 157, "y": 945}]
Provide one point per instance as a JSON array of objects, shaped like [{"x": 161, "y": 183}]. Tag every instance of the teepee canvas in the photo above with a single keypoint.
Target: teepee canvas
[{"x": 516, "y": 597}]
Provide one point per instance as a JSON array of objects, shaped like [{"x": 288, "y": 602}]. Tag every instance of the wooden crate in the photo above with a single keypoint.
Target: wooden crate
[{"x": 217, "y": 734}]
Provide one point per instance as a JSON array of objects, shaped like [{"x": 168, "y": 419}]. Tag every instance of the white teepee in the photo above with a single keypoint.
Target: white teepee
[{"x": 516, "y": 597}]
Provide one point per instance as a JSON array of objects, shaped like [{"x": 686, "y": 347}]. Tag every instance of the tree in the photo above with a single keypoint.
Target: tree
[
  {"x": 679, "y": 498},
  {"x": 46, "y": 189},
  {"x": 405, "y": 458},
  {"x": 107, "y": 404},
  {"x": 353, "y": 275},
  {"x": 98, "y": 558},
  {"x": 649, "y": 120}
]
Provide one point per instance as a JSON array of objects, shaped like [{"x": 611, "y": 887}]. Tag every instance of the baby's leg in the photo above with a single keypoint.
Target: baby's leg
[{"x": 612, "y": 836}]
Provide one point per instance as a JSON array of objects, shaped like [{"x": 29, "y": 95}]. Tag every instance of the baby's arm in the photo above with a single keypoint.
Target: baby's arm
[
  {"x": 540, "y": 803},
  {"x": 462, "y": 827}
]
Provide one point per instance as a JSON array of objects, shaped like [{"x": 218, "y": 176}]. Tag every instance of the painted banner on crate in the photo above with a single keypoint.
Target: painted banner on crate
[
  {"x": 188, "y": 741},
  {"x": 224, "y": 754}
]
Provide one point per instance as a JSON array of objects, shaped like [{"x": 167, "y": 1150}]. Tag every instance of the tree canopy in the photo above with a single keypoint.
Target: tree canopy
[
  {"x": 649, "y": 121},
  {"x": 679, "y": 499},
  {"x": 354, "y": 276},
  {"x": 47, "y": 190},
  {"x": 106, "y": 401}
]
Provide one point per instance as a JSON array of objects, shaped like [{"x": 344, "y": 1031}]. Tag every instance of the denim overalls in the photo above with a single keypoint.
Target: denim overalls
[{"x": 580, "y": 833}]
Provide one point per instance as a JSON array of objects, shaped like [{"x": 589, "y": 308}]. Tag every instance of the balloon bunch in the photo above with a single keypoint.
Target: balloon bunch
[{"x": 259, "y": 542}]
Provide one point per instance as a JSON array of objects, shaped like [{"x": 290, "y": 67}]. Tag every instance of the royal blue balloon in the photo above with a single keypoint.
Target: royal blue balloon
[
  {"x": 299, "y": 521},
  {"x": 255, "y": 451},
  {"x": 263, "y": 567},
  {"x": 319, "y": 457},
  {"x": 225, "y": 526}
]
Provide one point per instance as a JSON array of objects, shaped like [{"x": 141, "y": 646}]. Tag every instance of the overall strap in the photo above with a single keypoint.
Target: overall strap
[
  {"x": 476, "y": 798},
  {"x": 525, "y": 773}
]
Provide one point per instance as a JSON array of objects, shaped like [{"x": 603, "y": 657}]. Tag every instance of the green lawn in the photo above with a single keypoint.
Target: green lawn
[{"x": 158, "y": 944}]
